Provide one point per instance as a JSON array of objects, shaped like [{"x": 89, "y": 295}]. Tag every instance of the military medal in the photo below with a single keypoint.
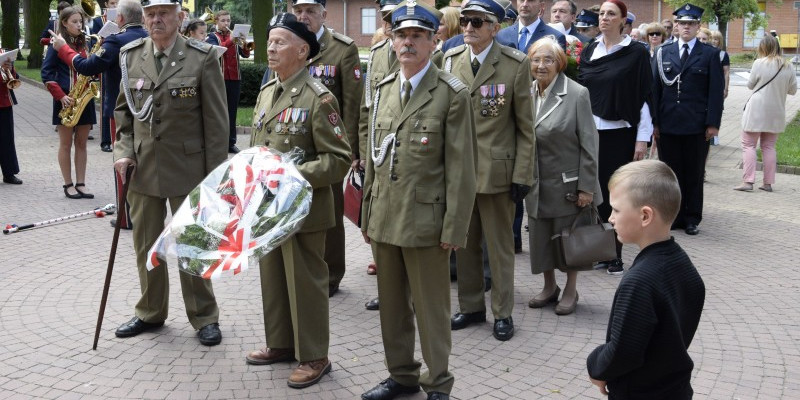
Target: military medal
[
  {"x": 295, "y": 114},
  {"x": 501, "y": 90},
  {"x": 492, "y": 90},
  {"x": 303, "y": 117},
  {"x": 139, "y": 85},
  {"x": 174, "y": 92},
  {"x": 484, "y": 93}
]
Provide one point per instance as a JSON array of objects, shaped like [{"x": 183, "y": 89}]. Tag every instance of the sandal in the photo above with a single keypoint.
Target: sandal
[
  {"x": 82, "y": 194},
  {"x": 372, "y": 269},
  {"x": 71, "y": 196}
]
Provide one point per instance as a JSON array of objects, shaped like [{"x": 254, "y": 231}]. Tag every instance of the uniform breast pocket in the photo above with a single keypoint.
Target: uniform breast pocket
[
  {"x": 382, "y": 128},
  {"x": 426, "y": 135},
  {"x": 183, "y": 93},
  {"x": 140, "y": 90}
]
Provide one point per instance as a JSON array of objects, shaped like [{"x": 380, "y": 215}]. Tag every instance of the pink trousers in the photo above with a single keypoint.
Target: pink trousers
[{"x": 769, "y": 159}]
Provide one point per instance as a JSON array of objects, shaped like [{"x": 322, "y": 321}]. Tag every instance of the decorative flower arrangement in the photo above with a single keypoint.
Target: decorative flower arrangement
[
  {"x": 574, "y": 49},
  {"x": 242, "y": 210}
]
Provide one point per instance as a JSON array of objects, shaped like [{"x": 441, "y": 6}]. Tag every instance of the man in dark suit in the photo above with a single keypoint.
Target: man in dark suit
[
  {"x": 564, "y": 11},
  {"x": 688, "y": 109},
  {"x": 529, "y": 28}
]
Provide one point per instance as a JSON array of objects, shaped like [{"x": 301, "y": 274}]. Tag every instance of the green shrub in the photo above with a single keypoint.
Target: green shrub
[{"x": 251, "y": 82}]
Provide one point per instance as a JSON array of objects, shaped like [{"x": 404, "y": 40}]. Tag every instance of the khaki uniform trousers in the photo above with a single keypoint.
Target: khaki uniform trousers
[
  {"x": 334, "y": 239},
  {"x": 492, "y": 219},
  {"x": 294, "y": 292},
  {"x": 148, "y": 214},
  {"x": 415, "y": 280}
]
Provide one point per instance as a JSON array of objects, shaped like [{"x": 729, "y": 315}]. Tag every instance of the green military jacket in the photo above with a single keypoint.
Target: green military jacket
[
  {"x": 305, "y": 115},
  {"x": 423, "y": 194},
  {"x": 503, "y": 111},
  {"x": 186, "y": 135}
]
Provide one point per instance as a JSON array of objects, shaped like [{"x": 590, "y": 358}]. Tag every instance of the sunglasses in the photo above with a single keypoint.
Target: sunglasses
[
  {"x": 476, "y": 22},
  {"x": 654, "y": 34}
]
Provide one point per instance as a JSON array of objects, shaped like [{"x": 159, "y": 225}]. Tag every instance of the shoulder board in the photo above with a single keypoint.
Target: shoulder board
[
  {"x": 317, "y": 86},
  {"x": 202, "y": 46},
  {"x": 342, "y": 38},
  {"x": 132, "y": 44},
  {"x": 269, "y": 83},
  {"x": 388, "y": 78},
  {"x": 455, "y": 50},
  {"x": 511, "y": 52},
  {"x": 378, "y": 45},
  {"x": 452, "y": 81}
]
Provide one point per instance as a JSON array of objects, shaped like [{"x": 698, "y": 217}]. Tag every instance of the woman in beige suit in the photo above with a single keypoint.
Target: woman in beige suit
[
  {"x": 566, "y": 148},
  {"x": 765, "y": 112}
]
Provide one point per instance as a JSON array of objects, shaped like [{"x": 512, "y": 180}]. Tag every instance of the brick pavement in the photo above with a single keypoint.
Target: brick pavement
[{"x": 746, "y": 346}]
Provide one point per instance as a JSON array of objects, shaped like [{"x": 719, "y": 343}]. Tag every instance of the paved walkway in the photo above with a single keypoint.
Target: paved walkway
[{"x": 747, "y": 346}]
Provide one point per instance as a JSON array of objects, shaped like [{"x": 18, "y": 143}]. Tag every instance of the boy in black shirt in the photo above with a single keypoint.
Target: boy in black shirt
[{"x": 658, "y": 303}]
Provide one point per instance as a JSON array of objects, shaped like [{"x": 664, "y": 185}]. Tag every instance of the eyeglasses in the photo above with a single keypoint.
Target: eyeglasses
[
  {"x": 547, "y": 61},
  {"x": 654, "y": 34},
  {"x": 476, "y": 22}
]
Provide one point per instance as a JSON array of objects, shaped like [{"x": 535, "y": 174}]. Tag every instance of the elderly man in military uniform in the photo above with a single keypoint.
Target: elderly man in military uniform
[
  {"x": 172, "y": 126},
  {"x": 294, "y": 277},
  {"x": 106, "y": 61},
  {"x": 688, "y": 85},
  {"x": 418, "y": 194},
  {"x": 499, "y": 82}
]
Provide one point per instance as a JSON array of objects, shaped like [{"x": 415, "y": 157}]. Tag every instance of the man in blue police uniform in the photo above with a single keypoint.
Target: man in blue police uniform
[
  {"x": 587, "y": 23},
  {"x": 688, "y": 84},
  {"x": 529, "y": 28},
  {"x": 106, "y": 61}
]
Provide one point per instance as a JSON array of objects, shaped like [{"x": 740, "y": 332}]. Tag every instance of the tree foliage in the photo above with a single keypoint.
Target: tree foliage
[{"x": 724, "y": 11}]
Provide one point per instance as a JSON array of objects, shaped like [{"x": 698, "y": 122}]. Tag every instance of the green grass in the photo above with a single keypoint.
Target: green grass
[
  {"x": 742, "y": 60},
  {"x": 788, "y": 145},
  {"x": 244, "y": 116}
]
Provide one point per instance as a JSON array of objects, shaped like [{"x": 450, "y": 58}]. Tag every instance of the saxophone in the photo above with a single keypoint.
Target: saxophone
[{"x": 82, "y": 91}]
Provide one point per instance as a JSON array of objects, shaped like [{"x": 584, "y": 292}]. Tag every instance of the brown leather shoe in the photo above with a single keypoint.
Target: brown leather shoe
[
  {"x": 268, "y": 356},
  {"x": 309, "y": 373}
]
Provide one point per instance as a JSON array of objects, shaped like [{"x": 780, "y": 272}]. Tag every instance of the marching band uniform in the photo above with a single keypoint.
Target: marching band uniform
[
  {"x": 294, "y": 277},
  {"x": 58, "y": 78},
  {"x": 418, "y": 192},
  {"x": 175, "y": 147},
  {"x": 687, "y": 99},
  {"x": 503, "y": 113},
  {"x": 106, "y": 61},
  {"x": 233, "y": 77},
  {"x": 8, "y": 151}
]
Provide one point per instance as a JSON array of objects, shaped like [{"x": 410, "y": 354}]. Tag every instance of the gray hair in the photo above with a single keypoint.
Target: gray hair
[{"x": 131, "y": 11}]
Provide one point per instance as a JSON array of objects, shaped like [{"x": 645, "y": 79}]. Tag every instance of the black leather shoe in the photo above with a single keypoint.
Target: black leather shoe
[
  {"x": 11, "y": 179},
  {"x": 332, "y": 290},
  {"x": 136, "y": 326},
  {"x": 692, "y": 229},
  {"x": 114, "y": 225},
  {"x": 503, "y": 329},
  {"x": 388, "y": 389},
  {"x": 90, "y": 137},
  {"x": 372, "y": 305},
  {"x": 233, "y": 149},
  {"x": 463, "y": 320},
  {"x": 105, "y": 148},
  {"x": 438, "y": 396},
  {"x": 487, "y": 284},
  {"x": 210, "y": 335}
]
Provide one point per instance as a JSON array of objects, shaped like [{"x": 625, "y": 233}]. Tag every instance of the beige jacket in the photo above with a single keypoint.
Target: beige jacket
[{"x": 766, "y": 109}]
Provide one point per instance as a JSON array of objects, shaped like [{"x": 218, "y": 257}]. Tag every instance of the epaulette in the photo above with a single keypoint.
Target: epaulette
[
  {"x": 512, "y": 52},
  {"x": 269, "y": 83},
  {"x": 317, "y": 86},
  {"x": 342, "y": 38},
  {"x": 202, "y": 46},
  {"x": 455, "y": 50},
  {"x": 388, "y": 78},
  {"x": 452, "y": 81},
  {"x": 132, "y": 44},
  {"x": 378, "y": 45}
]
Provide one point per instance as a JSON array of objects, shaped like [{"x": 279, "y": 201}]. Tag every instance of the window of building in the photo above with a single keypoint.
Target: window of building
[
  {"x": 369, "y": 18},
  {"x": 751, "y": 38}
]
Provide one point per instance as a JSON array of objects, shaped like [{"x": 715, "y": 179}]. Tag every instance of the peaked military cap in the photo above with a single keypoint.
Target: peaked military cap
[
  {"x": 490, "y": 7},
  {"x": 289, "y": 22},
  {"x": 630, "y": 18},
  {"x": 587, "y": 18},
  {"x": 688, "y": 12},
  {"x": 320, "y": 2},
  {"x": 410, "y": 14},
  {"x": 151, "y": 3}
]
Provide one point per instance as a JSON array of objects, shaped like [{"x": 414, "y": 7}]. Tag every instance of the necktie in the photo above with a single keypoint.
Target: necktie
[
  {"x": 523, "y": 40},
  {"x": 277, "y": 94},
  {"x": 159, "y": 64},
  {"x": 406, "y": 93},
  {"x": 475, "y": 66},
  {"x": 685, "y": 55}
]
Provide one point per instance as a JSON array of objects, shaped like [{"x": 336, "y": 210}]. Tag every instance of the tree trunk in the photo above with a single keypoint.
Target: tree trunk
[
  {"x": 26, "y": 7},
  {"x": 722, "y": 24},
  {"x": 10, "y": 32},
  {"x": 262, "y": 11},
  {"x": 39, "y": 14}
]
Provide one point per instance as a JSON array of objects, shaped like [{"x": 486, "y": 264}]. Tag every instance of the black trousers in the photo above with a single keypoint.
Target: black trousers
[
  {"x": 8, "y": 151},
  {"x": 686, "y": 155},
  {"x": 232, "y": 91},
  {"x": 616, "y": 149}
]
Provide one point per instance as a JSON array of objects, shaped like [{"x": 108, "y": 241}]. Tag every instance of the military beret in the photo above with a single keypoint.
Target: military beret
[{"x": 289, "y": 22}]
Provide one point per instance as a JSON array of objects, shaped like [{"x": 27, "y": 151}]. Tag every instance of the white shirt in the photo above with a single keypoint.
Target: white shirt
[
  {"x": 320, "y": 32},
  {"x": 414, "y": 79},
  {"x": 530, "y": 28},
  {"x": 480, "y": 56},
  {"x": 691, "y": 44},
  {"x": 644, "y": 129}
]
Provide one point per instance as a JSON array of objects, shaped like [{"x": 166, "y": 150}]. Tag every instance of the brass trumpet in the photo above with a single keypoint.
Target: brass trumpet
[
  {"x": 9, "y": 79},
  {"x": 208, "y": 16},
  {"x": 249, "y": 46}
]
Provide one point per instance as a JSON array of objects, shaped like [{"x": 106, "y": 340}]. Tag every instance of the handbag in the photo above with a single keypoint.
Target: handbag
[
  {"x": 762, "y": 86},
  {"x": 584, "y": 245},
  {"x": 353, "y": 193}
]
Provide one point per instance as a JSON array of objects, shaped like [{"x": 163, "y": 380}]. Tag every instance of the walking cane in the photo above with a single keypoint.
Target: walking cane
[{"x": 111, "y": 258}]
